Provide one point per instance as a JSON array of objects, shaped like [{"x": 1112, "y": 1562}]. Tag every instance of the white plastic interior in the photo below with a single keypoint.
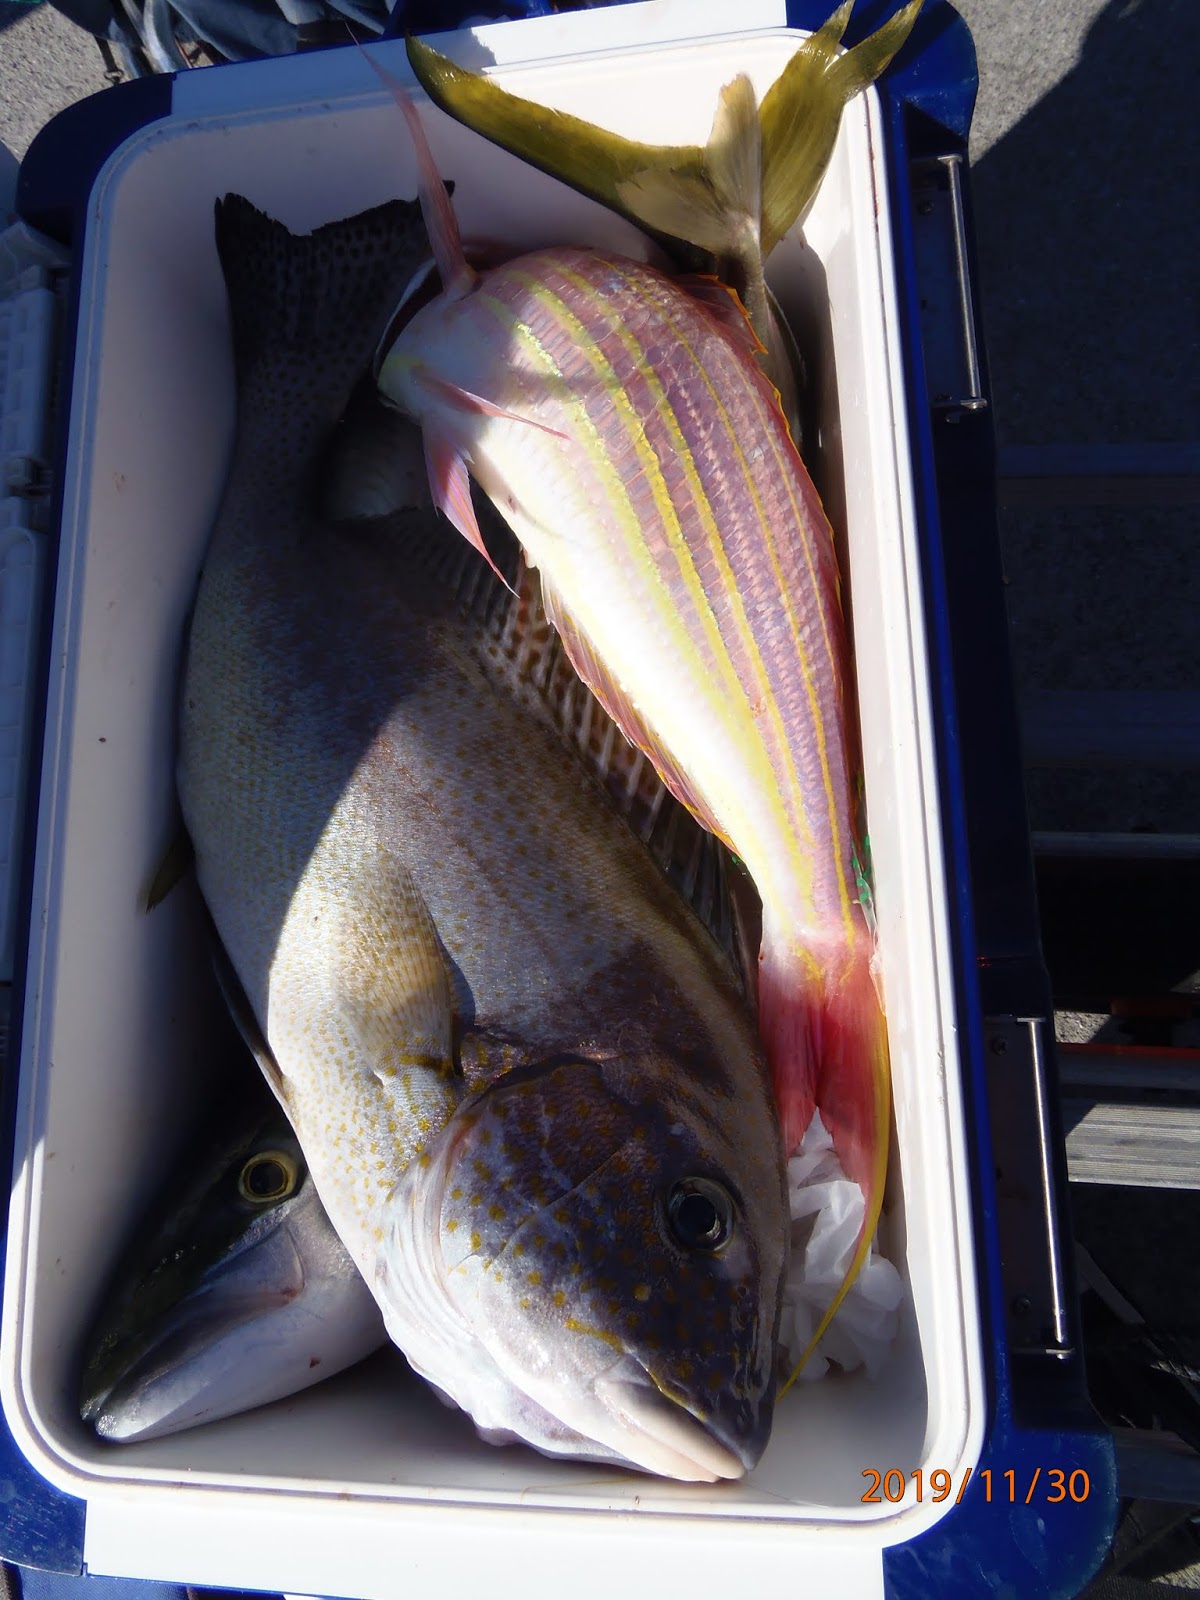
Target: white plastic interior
[{"x": 362, "y": 1483}]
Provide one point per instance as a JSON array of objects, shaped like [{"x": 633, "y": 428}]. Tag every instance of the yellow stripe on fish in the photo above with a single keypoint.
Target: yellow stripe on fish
[{"x": 689, "y": 568}]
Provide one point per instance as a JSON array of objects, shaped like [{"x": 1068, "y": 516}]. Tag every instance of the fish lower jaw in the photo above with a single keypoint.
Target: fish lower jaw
[{"x": 661, "y": 1437}]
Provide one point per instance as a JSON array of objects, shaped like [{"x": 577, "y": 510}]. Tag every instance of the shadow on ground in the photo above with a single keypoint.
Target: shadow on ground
[{"x": 1087, "y": 231}]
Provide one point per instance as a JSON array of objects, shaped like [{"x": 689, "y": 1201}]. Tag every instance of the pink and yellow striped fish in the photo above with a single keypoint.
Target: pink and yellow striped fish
[{"x": 621, "y": 424}]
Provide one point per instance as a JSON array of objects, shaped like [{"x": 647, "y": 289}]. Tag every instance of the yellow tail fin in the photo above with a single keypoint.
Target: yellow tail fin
[{"x": 802, "y": 111}]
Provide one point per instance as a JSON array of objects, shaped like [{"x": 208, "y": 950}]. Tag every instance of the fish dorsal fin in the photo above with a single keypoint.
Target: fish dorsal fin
[
  {"x": 802, "y": 111},
  {"x": 513, "y": 632},
  {"x": 441, "y": 223},
  {"x": 726, "y": 306}
]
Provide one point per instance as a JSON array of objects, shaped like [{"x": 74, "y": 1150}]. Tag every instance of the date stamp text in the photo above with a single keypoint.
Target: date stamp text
[{"x": 1043, "y": 1486}]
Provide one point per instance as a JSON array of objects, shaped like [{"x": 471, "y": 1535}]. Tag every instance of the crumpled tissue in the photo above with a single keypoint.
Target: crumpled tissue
[{"x": 827, "y": 1211}]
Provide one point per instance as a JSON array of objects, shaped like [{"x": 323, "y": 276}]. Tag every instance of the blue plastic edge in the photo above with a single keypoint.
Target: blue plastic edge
[
  {"x": 40, "y": 1526},
  {"x": 935, "y": 71},
  {"x": 992, "y": 1542}
]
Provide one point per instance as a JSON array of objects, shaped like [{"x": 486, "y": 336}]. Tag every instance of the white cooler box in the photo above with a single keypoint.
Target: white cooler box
[{"x": 365, "y": 1485}]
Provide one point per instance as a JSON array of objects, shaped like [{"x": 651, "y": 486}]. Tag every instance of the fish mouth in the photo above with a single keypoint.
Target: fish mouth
[
  {"x": 185, "y": 1369},
  {"x": 658, "y": 1435}
]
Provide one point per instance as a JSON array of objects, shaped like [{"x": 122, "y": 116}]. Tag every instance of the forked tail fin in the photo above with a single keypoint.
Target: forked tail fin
[
  {"x": 708, "y": 196},
  {"x": 827, "y": 1046},
  {"x": 802, "y": 111}
]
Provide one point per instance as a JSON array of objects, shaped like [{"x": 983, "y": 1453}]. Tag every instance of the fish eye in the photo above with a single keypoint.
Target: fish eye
[
  {"x": 700, "y": 1214},
  {"x": 268, "y": 1175}
]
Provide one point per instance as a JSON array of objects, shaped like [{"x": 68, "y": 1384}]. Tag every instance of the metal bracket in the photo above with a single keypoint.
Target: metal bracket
[
  {"x": 1026, "y": 1188},
  {"x": 947, "y": 304}
]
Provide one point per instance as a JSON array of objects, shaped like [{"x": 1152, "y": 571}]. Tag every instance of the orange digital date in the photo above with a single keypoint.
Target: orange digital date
[{"x": 1050, "y": 1486}]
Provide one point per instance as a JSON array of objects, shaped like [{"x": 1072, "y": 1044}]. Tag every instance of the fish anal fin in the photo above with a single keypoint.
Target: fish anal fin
[{"x": 608, "y": 692}]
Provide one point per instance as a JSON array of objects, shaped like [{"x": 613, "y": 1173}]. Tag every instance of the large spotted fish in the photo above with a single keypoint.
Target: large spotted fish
[
  {"x": 620, "y": 421},
  {"x": 416, "y": 887}
]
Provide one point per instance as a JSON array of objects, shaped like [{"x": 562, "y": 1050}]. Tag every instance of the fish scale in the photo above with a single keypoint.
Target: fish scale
[
  {"x": 620, "y": 422},
  {"x": 411, "y": 876}
]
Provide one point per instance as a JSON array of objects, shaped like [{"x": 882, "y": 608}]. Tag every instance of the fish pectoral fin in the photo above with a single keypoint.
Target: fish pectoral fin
[
  {"x": 172, "y": 868},
  {"x": 395, "y": 988},
  {"x": 404, "y": 1016},
  {"x": 464, "y": 400},
  {"x": 247, "y": 1023},
  {"x": 828, "y": 1050},
  {"x": 802, "y": 111}
]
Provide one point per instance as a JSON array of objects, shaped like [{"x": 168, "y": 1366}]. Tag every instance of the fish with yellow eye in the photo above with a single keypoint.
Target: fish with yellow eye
[{"x": 235, "y": 1292}]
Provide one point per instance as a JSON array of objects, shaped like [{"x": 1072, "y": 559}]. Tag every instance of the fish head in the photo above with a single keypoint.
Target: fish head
[
  {"x": 241, "y": 1294},
  {"x": 589, "y": 1258}
]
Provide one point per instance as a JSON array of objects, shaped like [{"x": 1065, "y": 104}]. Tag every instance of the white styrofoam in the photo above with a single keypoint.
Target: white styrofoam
[{"x": 365, "y": 1484}]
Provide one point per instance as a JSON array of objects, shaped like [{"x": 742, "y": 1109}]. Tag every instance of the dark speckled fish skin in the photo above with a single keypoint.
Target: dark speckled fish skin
[{"x": 408, "y": 873}]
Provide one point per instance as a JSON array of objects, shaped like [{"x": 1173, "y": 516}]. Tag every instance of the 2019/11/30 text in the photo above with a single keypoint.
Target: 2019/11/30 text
[{"x": 1049, "y": 1486}]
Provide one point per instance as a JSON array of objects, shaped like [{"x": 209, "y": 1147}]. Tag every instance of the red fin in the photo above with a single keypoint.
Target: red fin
[
  {"x": 612, "y": 697},
  {"x": 828, "y": 1050},
  {"x": 726, "y": 307},
  {"x": 451, "y": 489},
  {"x": 464, "y": 400},
  {"x": 789, "y": 1025},
  {"x": 440, "y": 221}
]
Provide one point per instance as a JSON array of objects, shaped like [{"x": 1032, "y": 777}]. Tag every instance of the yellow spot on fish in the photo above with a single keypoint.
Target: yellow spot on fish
[
  {"x": 560, "y": 1298},
  {"x": 452, "y": 1224},
  {"x": 642, "y": 1292},
  {"x": 573, "y": 1325},
  {"x": 495, "y": 1212},
  {"x": 456, "y": 1194},
  {"x": 476, "y": 1241},
  {"x": 535, "y": 1278}
]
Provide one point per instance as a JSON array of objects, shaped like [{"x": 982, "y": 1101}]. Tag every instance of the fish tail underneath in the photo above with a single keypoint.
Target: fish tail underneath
[
  {"x": 318, "y": 301},
  {"x": 828, "y": 1049},
  {"x": 786, "y": 1018}
]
